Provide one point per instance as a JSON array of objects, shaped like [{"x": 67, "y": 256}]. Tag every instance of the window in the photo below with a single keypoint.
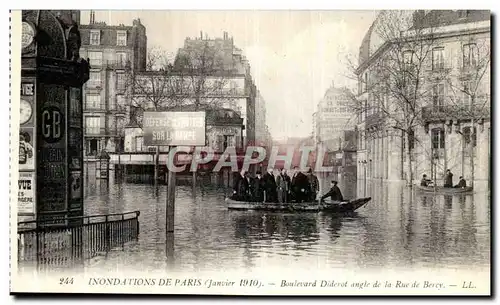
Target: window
[
  {"x": 463, "y": 13},
  {"x": 92, "y": 125},
  {"x": 120, "y": 81},
  {"x": 121, "y": 59},
  {"x": 120, "y": 102},
  {"x": 467, "y": 136},
  {"x": 366, "y": 81},
  {"x": 467, "y": 95},
  {"x": 121, "y": 38},
  {"x": 95, "y": 37},
  {"x": 437, "y": 58},
  {"x": 93, "y": 101},
  {"x": 139, "y": 143},
  {"x": 95, "y": 58},
  {"x": 470, "y": 55},
  {"x": 438, "y": 96},
  {"x": 437, "y": 138},
  {"x": 408, "y": 59},
  {"x": 95, "y": 79}
]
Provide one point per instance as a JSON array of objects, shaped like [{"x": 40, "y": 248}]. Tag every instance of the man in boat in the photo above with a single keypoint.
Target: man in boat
[
  {"x": 425, "y": 181},
  {"x": 283, "y": 184},
  {"x": 461, "y": 183},
  {"x": 300, "y": 185},
  {"x": 241, "y": 187},
  {"x": 269, "y": 186},
  {"x": 448, "y": 179},
  {"x": 334, "y": 193},
  {"x": 313, "y": 183},
  {"x": 257, "y": 188}
]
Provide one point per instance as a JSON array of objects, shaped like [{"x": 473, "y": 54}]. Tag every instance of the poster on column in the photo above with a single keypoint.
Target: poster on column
[
  {"x": 26, "y": 149},
  {"x": 52, "y": 164},
  {"x": 26, "y": 193}
]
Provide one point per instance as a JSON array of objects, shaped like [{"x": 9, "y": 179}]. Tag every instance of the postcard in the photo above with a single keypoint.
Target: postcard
[{"x": 247, "y": 152}]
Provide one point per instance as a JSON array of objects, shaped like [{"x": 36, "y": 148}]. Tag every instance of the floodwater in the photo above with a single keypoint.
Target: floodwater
[{"x": 397, "y": 229}]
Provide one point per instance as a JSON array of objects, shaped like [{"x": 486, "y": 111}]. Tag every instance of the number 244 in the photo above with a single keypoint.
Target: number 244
[{"x": 66, "y": 281}]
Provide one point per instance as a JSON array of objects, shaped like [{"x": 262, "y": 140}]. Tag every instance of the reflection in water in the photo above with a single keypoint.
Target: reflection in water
[{"x": 398, "y": 228}]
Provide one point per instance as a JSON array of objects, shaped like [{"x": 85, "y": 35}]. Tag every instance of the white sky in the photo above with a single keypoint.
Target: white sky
[{"x": 294, "y": 55}]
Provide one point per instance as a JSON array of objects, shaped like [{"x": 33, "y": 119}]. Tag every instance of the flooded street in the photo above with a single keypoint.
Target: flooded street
[{"x": 397, "y": 229}]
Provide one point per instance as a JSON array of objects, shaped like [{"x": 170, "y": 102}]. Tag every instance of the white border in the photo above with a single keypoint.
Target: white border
[{"x": 127, "y": 4}]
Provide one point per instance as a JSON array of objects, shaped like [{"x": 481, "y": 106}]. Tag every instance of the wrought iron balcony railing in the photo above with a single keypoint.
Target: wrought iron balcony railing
[{"x": 454, "y": 112}]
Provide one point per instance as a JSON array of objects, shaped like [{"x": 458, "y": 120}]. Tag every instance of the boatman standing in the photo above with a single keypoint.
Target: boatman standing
[{"x": 334, "y": 193}]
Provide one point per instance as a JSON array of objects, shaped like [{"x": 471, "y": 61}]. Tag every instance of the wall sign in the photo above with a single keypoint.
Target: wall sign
[{"x": 53, "y": 124}]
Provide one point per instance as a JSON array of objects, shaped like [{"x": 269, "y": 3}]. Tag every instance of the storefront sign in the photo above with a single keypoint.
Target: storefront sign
[{"x": 174, "y": 128}]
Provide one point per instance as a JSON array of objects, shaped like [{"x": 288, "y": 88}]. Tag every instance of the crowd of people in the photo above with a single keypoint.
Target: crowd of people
[{"x": 297, "y": 187}]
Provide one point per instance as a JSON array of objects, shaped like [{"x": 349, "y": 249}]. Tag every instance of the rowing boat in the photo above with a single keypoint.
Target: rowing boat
[
  {"x": 444, "y": 190},
  {"x": 328, "y": 206}
]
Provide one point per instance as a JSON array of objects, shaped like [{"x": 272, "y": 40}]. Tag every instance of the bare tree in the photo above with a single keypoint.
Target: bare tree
[
  {"x": 197, "y": 78},
  {"x": 394, "y": 82},
  {"x": 208, "y": 76}
]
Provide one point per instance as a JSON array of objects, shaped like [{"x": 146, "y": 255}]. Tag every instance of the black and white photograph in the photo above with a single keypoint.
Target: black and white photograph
[{"x": 251, "y": 152}]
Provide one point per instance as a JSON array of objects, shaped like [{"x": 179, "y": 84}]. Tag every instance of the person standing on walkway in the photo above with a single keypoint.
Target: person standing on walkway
[
  {"x": 258, "y": 187},
  {"x": 300, "y": 185},
  {"x": 269, "y": 186},
  {"x": 283, "y": 185},
  {"x": 314, "y": 184}
]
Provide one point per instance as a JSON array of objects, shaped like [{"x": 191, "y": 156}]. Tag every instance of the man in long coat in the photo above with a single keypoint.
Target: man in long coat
[
  {"x": 269, "y": 186},
  {"x": 300, "y": 186}
]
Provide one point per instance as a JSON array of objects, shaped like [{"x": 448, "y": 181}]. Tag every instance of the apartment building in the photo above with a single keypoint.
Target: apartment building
[
  {"x": 334, "y": 115},
  {"x": 113, "y": 52},
  {"x": 449, "y": 115}
]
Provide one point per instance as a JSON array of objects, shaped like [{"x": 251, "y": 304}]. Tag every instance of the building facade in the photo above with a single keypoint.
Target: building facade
[
  {"x": 448, "y": 120},
  {"x": 113, "y": 51},
  {"x": 262, "y": 134},
  {"x": 333, "y": 116}
]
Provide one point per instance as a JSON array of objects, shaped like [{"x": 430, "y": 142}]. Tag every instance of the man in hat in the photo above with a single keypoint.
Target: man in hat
[
  {"x": 334, "y": 193},
  {"x": 313, "y": 183}
]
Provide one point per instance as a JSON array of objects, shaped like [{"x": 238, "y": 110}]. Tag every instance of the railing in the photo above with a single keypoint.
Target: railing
[
  {"x": 225, "y": 120},
  {"x": 118, "y": 64},
  {"x": 95, "y": 131},
  {"x": 453, "y": 112},
  {"x": 85, "y": 237},
  {"x": 91, "y": 107},
  {"x": 117, "y": 109}
]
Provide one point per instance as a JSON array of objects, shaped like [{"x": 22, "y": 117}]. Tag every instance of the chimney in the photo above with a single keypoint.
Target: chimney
[
  {"x": 92, "y": 17},
  {"x": 201, "y": 35}
]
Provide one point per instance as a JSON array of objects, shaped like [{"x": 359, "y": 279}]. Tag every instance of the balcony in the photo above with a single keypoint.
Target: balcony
[
  {"x": 235, "y": 92},
  {"x": 374, "y": 120},
  {"x": 118, "y": 109},
  {"x": 117, "y": 64},
  {"x": 94, "y": 108},
  {"x": 225, "y": 120},
  {"x": 453, "y": 112},
  {"x": 115, "y": 131},
  {"x": 95, "y": 131}
]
